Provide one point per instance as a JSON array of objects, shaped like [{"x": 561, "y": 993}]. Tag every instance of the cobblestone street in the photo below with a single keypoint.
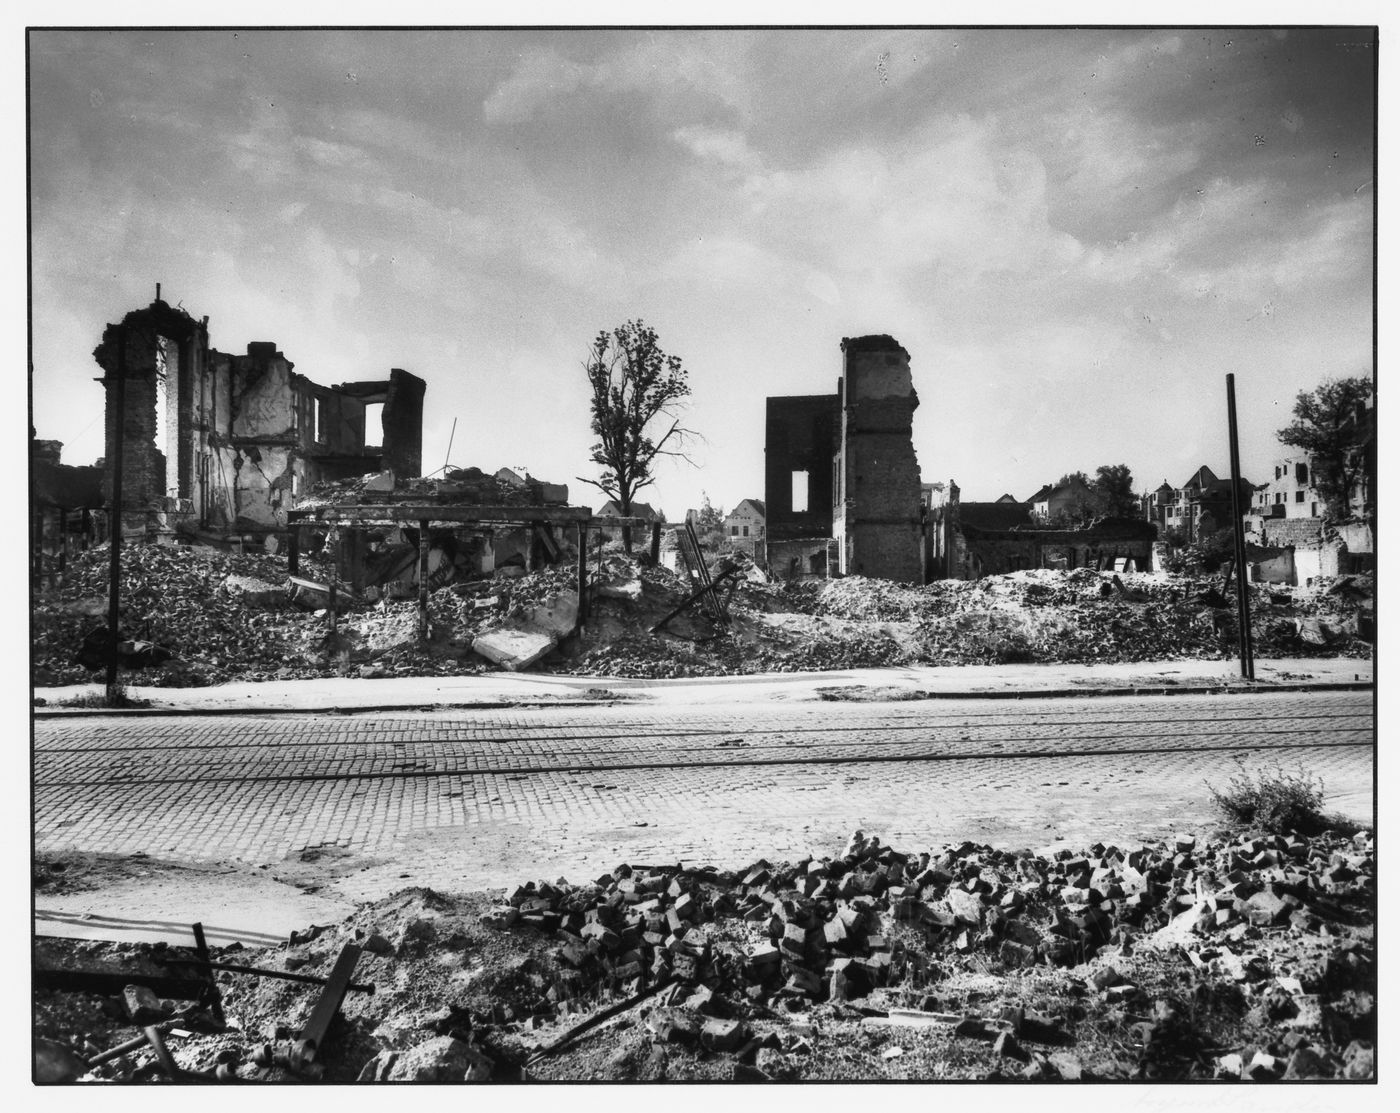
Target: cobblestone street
[{"x": 461, "y": 799}]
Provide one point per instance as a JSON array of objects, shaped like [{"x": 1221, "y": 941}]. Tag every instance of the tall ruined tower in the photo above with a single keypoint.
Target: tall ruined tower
[
  {"x": 165, "y": 351},
  {"x": 876, "y": 517}
]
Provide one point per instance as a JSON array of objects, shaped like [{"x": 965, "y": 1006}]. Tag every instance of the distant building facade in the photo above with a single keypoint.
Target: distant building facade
[{"x": 745, "y": 528}]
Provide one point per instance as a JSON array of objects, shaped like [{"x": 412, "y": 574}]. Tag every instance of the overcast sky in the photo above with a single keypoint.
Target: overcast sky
[{"x": 1075, "y": 234}]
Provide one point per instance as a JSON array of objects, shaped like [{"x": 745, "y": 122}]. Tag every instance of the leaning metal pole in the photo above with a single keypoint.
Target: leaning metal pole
[
  {"x": 115, "y": 528},
  {"x": 1237, "y": 517}
]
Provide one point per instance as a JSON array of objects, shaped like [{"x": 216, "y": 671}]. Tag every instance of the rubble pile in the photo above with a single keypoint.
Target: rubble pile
[
  {"x": 210, "y": 608},
  {"x": 222, "y": 617},
  {"x": 460, "y": 486},
  {"x": 1248, "y": 957}
]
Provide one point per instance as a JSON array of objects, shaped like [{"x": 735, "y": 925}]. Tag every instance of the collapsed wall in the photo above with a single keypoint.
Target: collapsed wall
[{"x": 223, "y": 442}]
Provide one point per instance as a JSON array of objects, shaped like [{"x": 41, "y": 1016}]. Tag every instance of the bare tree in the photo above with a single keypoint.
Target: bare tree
[{"x": 637, "y": 388}]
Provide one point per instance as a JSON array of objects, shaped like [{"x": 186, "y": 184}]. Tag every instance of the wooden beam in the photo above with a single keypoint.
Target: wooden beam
[
  {"x": 418, "y": 512},
  {"x": 582, "y": 573},
  {"x": 422, "y": 580}
]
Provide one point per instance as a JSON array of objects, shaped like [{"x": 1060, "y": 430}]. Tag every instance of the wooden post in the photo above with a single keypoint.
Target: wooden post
[
  {"x": 1237, "y": 513},
  {"x": 293, "y": 547},
  {"x": 422, "y": 580},
  {"x": 330, "y": 591},
  {"x": 114, "y": 587},
  {"x": 582, "y": 572},
  {"x": 356, "y": 550}
]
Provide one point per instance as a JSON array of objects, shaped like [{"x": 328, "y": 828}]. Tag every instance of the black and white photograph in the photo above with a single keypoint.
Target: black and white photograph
[{"x": 704, "y": 553}]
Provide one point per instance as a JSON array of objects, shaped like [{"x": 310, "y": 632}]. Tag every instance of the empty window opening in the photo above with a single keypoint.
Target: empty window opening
[
  {"x": 167, "y": 431},
  {"x": 318, "y": 424},
  {"x": 799, "y": 492},
  {"x": 1297, "y": 496},
  {"x": 374, "y": 424}
]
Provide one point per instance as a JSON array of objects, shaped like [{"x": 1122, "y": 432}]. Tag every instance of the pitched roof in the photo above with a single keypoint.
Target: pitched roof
[
  {"x": 757, "y": 504},
  {"x": 1201, "y": 477},
  {"x": 1041, "y": 495},
  {"x": 1222, "y": 487}
]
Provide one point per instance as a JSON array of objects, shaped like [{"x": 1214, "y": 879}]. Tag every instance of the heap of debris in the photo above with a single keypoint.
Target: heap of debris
[
  {"x": 220, "y": 616},
  {"x": 214, "y": 613},
  {"x": 461, "y": 486},
  {"x": 1250, "y": 957}
]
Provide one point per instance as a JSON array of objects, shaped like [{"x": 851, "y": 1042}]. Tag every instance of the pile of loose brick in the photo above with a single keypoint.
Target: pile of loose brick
[{"x": 827, "y": 931}]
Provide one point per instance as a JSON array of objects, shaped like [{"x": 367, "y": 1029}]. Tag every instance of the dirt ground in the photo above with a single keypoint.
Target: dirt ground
[{"x": 1237, "y": 955}]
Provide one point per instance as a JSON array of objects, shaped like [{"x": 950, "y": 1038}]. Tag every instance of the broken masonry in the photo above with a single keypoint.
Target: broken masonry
[
  {"x": 841, "y": 478},
  {"x": 225, "y": 443}
]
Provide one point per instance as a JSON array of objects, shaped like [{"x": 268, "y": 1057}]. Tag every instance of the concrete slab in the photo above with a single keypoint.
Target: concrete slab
[{"x": 514, "y": 649}]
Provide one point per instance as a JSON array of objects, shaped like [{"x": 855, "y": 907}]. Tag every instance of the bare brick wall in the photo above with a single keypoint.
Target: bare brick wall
[
  {"x": 1291, "y": 531},
  {"x": 800, "y": 435},
  {"x": 881, "y": 469},
  {"x": 403, "y": 423},
  {"x": 143, "y": 467}
]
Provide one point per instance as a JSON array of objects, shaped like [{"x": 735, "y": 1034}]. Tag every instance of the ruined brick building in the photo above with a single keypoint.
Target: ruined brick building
[
  {"x": 841, "y": 478},
  {"x": 969, "y": 540},
  {"x": 225, "y": 443}
]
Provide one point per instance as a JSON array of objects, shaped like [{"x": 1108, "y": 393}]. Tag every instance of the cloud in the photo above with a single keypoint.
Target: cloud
[
  {"x": 952, "y": 199},
  {"x": 541, "y": 76},
  {"x": 336, "y": 156},
  {"x": 1100, "y": 157},
  {"x": 673, "y": 70},
  {"x": 1328, "y": 248},
  {"x": 726, "y": 147}
]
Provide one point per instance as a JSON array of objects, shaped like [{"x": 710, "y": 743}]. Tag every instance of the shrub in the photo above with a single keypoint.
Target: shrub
[{"x": 1275, "y": 801}]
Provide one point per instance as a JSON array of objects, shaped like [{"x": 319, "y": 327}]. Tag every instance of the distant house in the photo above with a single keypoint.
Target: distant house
[
  {"x": 968, "y": 540},
  {"x": 611, "y": 509},
  {"x": 744, "y": 527},
  {"x": 1199, "y": 507},
  {"x": 1053, "y": 500},
  {"x": 1290, "y": 513}
]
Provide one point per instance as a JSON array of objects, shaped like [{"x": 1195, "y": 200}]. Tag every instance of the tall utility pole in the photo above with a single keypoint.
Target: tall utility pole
[
  {"x": 1237, "y": 515},
  {"x": 114, "y": 587}
]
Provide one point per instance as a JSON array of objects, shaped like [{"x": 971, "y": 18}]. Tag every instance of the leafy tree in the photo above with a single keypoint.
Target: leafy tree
[
  {"x": 709, "y": 524},
  {"x": 1113, "y": 492},
  {"x": 636, "y": 387},
  {"x": 1324, "y": 426}
]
